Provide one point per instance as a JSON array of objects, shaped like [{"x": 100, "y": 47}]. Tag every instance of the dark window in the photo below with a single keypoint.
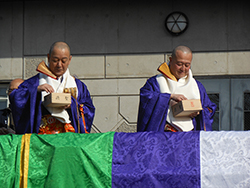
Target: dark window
[
  {"x": 3, "y": 96},
  {"x": 215, "y": 98},
  {"x": 246, "y": 111}
]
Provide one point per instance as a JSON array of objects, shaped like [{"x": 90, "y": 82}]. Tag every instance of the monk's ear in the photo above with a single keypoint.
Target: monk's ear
[
  {"x": 70, "y": 57},
  {"x": 48, "y": 56}
]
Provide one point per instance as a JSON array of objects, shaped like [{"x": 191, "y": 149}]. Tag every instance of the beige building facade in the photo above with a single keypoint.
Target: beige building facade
[{"x": 118, "y": 45}]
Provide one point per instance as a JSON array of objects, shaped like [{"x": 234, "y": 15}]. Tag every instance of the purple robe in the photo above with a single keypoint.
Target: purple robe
[
  {"x": 154, "y": 106},
  {"x": 27, "y": 112}
]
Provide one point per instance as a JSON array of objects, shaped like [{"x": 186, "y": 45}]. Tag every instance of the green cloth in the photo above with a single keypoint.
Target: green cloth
[
  {"x": 10, "y": 146},
  {"x": 71, "y": 160},
  {"x": 59, "y": 160}
]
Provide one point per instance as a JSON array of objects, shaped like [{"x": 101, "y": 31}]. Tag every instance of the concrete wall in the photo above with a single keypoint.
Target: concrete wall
[{"x": 117, "y": 45}]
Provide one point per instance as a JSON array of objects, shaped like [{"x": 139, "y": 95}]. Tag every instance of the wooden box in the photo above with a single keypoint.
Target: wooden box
[
  {"x": 186, "y": 107},
  {"x": 57, "y": 100}
]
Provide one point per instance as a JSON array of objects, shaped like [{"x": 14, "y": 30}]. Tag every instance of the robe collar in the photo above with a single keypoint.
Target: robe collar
[
  {"x": 43, "y": 68},
  {"x": 164, "y": 69}
]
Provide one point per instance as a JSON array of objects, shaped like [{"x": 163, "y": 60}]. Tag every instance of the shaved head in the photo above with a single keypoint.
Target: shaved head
[
  {"x": 59, "y": 58},
  {"x": 14, "y": 84},
  {"x": 60, "y": 45},
  {"x": 183, "y": 49}
]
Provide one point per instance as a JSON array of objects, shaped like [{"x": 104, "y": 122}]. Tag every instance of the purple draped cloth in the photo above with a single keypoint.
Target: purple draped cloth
[
  {"x": 154, "y": 106},
  {"x": 26, "y": 107},
  {"x": 156, "y": 159}
]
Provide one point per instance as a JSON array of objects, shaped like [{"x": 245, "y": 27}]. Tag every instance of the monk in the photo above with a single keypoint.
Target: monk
[
  {"x": 32, "y": 116},
  {"x": 174, "y": 84}
]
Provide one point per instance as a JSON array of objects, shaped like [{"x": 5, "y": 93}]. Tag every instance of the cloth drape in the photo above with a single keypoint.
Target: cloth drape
[{"x": 143, "y": 159}]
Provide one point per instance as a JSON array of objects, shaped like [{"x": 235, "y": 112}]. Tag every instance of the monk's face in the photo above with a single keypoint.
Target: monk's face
[
  {"x": 180, "y": 64},
  {"x": 59, "y": 61}
]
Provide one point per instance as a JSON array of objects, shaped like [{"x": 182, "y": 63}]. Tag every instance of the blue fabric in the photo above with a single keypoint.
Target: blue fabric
[
  {"x": 154, "y": 105},
  {"x": 26, "y": 107},
  {"x": 204, "y": 121},
  {"x": 156, "y": 159}
]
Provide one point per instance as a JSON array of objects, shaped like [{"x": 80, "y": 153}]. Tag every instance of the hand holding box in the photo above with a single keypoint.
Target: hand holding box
[
  {"x": 57, "y": 100},
  {"x": 186, "y": 107}
]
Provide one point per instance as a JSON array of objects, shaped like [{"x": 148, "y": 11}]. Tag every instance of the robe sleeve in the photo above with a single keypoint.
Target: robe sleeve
[
  {"x": 88, "y": 108},
  {"x": 208, "y": 111},
  {"x": 25, "y": 107},
  {"x": 153, "y": 107}
]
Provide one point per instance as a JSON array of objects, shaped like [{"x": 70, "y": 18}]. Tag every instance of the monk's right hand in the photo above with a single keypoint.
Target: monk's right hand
[
  {"x": 178, "y": 97},
  {"x": 45, "y": 87}
]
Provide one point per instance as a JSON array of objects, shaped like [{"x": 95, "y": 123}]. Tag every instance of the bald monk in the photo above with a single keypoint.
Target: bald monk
[
  {"x": 31, "y": 116},
  {"x": 174, "y": 84},
  {"x": 6, "y": 123},
  {"x": 14, "y": 84}
]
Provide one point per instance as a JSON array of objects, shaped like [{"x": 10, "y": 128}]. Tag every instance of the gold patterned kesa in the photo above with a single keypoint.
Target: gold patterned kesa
[
  {"x": 44, "y": 122},
  {"x": 53, "y": 126},
  {"x": 66, "y": 90},
  {"x": 72, "y": 91}
]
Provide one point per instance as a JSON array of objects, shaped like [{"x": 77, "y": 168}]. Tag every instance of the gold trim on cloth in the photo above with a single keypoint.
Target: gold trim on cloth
[{"x": 24, "y": 160}]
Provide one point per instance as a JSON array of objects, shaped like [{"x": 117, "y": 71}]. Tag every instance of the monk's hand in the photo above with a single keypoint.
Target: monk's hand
[
  {"x": 67, "y": 106},
  {"x": 45, "y": 87},
  {"x": 194, "y": 114},
  {"x": 178, "y": 97},
  {"x": 172, "y": 102}
]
